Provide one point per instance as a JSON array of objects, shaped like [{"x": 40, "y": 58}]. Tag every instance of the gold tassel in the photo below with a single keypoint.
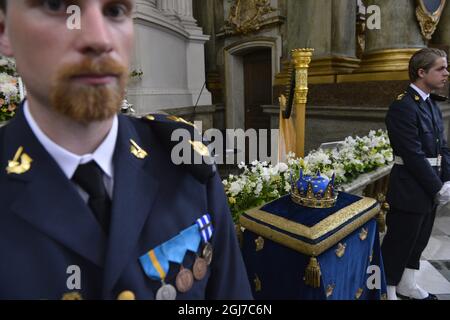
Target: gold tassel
[
  {"x": 381, "y": 222},
  {"x": 381, "y": 217},
  {"x": 313, "y": 273}
]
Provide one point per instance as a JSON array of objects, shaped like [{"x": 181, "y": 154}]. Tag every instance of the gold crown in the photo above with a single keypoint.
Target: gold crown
[{"x": 314, "y": 192}]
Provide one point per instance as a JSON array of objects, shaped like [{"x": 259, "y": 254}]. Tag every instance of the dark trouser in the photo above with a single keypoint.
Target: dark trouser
[{"x": 406, "y": 238}]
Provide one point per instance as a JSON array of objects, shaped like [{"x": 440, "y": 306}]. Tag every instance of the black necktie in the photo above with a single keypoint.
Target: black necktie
[
  {"x": 435, "y": 130},
  {"x": 89, "y": 177},
  {"x": 430, "y": 107}
]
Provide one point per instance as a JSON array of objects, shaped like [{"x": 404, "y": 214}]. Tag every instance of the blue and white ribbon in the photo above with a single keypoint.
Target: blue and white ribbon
[{"x": 206, "y": 228}]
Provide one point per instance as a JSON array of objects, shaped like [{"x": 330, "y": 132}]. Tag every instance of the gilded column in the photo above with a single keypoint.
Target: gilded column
[
  {"x": 392, "y": 36},
  {"x": 328, "y": 26},
  {"x": 301, "y": 59}
]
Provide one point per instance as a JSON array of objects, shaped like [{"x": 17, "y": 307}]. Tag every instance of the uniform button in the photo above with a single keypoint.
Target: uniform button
[{"x": 126, "y": 295}]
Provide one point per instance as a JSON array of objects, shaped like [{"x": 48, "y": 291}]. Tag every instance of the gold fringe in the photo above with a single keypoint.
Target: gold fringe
[{"x": 313, "y": 273}]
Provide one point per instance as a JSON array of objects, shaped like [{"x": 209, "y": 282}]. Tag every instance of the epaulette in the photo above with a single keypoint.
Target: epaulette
[{"x": 165, "y": 125}]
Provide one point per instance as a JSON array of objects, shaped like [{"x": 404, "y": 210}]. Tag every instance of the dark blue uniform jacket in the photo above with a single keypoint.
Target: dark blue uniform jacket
[{"x": 45, "y": 226}]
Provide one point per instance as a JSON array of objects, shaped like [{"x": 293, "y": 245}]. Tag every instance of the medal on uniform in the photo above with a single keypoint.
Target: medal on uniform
[
  {"x": 200, "y": 268},
  {"x": 156, "y": 262},
  {"x": 207, "y": 253},
  {"x": 206, "y": 231},
  {"x": 166, "y": 292},
  {"x": 184, "y": 280},
  {"x": 156, "y": 266}
]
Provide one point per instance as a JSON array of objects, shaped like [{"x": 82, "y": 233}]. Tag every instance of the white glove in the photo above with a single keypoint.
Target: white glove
[{"x": 443, "y": 196}]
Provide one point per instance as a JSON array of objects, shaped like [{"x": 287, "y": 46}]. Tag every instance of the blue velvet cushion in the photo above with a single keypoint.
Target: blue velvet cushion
[
  {"x": 281, "y": 238},
  {"x": 308, "y": 230}
]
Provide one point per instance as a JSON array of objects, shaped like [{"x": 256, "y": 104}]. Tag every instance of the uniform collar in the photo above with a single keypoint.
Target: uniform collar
[
  {"x": 68, "y": 161},
  {"x": 422, "y": 94}
]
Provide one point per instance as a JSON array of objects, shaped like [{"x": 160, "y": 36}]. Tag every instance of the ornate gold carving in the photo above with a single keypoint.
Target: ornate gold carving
[
  {"x": 310, "y": 201},
  {"x": 259, "y": 242},
  {"x": 246, "y": 16},
  {"x": 360, "y": 30},
  {"x": 363, "y": 234},
  {"x": 428, "y": 20},
  {"x": 340, "y": 251},
  {"x": 301, "y": 58}
]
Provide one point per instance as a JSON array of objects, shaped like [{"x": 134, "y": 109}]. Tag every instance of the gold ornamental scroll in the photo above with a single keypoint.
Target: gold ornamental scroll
[{"x": 428, "y": 13}]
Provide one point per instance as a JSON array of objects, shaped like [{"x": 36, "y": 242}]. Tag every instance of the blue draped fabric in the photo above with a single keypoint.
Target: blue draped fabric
[{"x": 277, "y": 272}]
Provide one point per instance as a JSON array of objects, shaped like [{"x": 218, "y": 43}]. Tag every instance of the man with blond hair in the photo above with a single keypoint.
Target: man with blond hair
[{"x": 419, "y": 180}]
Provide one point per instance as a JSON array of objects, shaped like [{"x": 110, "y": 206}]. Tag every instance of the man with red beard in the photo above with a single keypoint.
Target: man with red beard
[{"x": 92, "y": 206}]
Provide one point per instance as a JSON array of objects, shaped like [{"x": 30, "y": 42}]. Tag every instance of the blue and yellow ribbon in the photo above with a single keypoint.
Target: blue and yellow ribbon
[{"x": 156, "y": 262}]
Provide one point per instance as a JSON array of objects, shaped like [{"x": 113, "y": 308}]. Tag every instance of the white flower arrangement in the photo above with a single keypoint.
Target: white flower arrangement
[
  {"x": 9, "y": 88},
  {"x": 261, "y": 182}
]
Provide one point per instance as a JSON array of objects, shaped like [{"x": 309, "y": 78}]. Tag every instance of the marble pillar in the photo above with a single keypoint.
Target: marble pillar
[{"x": 327, "y": 26}]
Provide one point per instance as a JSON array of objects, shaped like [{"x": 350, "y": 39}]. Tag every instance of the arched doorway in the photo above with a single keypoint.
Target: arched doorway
[
  {"x": 261, "y": 50},
  {"x": 257, "y": 88},
  {"x": 250, "y": 69}
]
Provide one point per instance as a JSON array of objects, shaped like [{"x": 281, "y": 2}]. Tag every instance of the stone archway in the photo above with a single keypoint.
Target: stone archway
[{"x": 234, "y": 75}]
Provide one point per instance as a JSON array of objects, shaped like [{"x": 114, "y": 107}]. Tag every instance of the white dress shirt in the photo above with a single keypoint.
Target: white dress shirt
[
  {"x": 69, "y": 162},
  {"x": 424, "y": 95}
]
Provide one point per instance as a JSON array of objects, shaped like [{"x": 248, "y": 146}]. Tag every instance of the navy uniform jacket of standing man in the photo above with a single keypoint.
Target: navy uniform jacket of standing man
[
  {"x": 48, "y": 233},
  {"x": 422, "y": 166}
]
